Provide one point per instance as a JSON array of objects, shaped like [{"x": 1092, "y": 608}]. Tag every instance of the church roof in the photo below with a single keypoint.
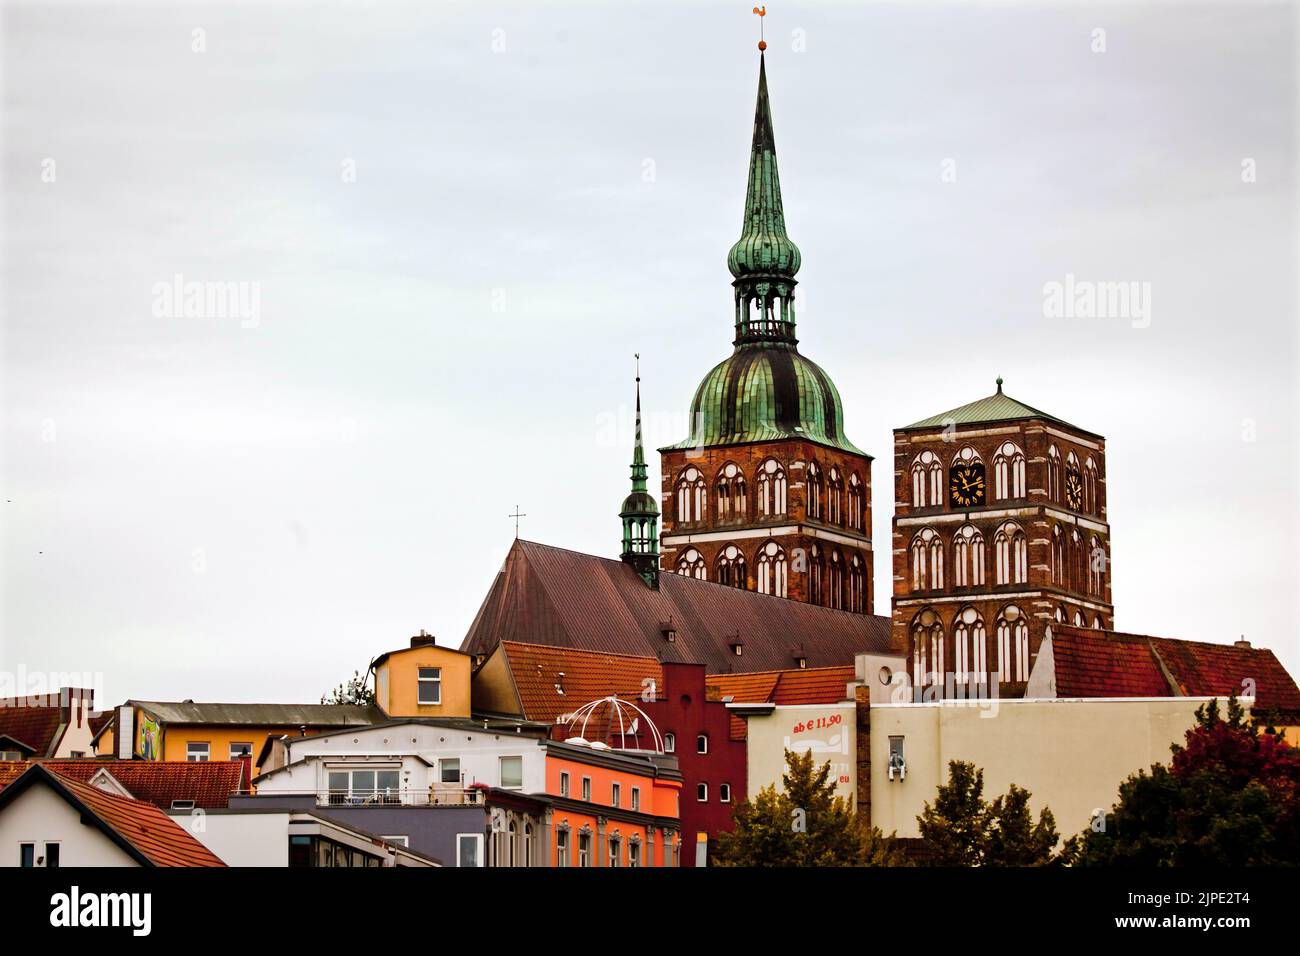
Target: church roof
[
  {"x": 998, "y": 407},
  {"x": 547, "y": 595}
]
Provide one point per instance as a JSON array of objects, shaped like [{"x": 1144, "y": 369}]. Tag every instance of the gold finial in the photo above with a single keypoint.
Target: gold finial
[{"x": 761, "y": 12}]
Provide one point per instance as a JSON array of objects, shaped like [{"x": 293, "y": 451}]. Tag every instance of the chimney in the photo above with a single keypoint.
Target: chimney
[
  {"x": 246, "y": 773},
  {"x": 423, "y": 639}
]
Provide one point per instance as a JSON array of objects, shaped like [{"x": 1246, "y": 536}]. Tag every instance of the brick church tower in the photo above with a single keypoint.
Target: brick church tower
[
  {"x": 767, "y": 493},
  {"x": 999, "y": 533}
]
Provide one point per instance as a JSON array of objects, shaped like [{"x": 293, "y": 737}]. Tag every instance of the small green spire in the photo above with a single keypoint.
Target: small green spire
[
  {"x": 999, "y": 384},
  {"x": 640, "y": 513}
]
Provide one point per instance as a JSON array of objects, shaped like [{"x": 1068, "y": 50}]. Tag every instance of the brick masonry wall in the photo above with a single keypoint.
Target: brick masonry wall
[
  {"x": 798, "y": 543},
  {"x": 1040, "y": 597}
]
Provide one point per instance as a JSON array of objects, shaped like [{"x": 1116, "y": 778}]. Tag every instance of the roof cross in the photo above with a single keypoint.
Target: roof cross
[{"x": 517, "y": 515}]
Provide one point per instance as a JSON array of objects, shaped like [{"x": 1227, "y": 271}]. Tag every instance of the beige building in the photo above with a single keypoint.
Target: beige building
[
  {"x": 828, "y": 730},
  {"x": 1070, "y": 754}
]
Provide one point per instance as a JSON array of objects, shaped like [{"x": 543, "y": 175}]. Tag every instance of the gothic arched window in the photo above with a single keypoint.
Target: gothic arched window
[
  {"x": 1078, "y": 561},
  {"x": 691, "y": 564},
  {"x": 1058, "y": 556},
  {"x": 1011, "y": 550},
  {"x": 857, "y": 500},
  {"x": 970, "y": 647},
  {"x": 772, "y": 573},
  {"x": 1090, "y": 504},
  {"x": 1008, "y": 472},
  {"x": 835, "y": 496},
  {"x": 815, "y": 585},
  {"x": 1013, "y": 645},
  {"x": 729, "y": 494},
  {"x": 771, "y": 489},
  {"x": 857, "y": 585},
  {"x": 927, "y": 560},
  {"x": 816, "y": 491},
  {"x": 1096, "y": 567},
  {"x": 968, "y": 557},
  {"x": 927, "y": 480},
  {"x": 836, "y": 582},
  {"x": 731, "y": 568},
  {"x": 927, "y": 649},
  {"x": 690, "y": 496},
  {"x": 1053, "y": 474}
]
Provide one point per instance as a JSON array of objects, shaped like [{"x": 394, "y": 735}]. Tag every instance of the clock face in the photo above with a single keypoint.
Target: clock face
[
  {"x": 966, "y": 485},
  {"x": 1073, "y": 490}
]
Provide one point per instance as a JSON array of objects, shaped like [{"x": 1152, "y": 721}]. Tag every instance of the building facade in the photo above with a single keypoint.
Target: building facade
[{"x": 999, "y": 532}]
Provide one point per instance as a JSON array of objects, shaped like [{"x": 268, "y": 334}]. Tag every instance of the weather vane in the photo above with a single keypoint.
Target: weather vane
[{"x": 762, "y": 12}]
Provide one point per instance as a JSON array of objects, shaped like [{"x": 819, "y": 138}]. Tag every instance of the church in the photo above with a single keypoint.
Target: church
[{"x": 765, "y": 560}]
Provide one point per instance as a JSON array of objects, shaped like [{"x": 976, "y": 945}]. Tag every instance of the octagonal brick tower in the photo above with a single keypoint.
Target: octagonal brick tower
[{"x": 768, "y": 493}]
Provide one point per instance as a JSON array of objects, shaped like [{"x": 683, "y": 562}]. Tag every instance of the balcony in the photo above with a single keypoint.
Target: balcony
[{"x": 435, "y": 796}]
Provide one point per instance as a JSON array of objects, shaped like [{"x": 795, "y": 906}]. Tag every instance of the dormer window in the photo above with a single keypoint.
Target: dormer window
[
  {"x": 430, "y": 685},
  {"x": 800, "y": 662},
  {"x": 738, "y": 649}
]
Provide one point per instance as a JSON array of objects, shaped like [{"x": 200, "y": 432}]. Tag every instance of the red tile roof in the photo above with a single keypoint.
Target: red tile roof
[
  {"x": 800, "y": 685},
  {"x": 35, "y": 727},
  {"x": 1093, "y": 663},
  {"x": 148, "y": 833},
  {"x": 546, "y": 595},
  {"x": 160, "y": 782},
  {"x": 588, "y": 676}
]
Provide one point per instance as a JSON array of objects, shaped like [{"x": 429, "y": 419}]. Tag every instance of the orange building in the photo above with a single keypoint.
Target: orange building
[{"x": 611, "y": 807}]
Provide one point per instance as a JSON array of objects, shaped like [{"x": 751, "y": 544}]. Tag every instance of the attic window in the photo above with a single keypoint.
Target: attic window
[
  {"x": 800, "y": 662},
  {"x": 182, "y": 804},
  {"x": 670, "y": 634},
  {"x": 738, "y": 649},
  {"x": 559, "y": 682}
]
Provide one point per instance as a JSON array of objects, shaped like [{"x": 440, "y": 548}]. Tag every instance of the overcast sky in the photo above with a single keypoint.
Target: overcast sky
[{"x": 461, "y": 222}]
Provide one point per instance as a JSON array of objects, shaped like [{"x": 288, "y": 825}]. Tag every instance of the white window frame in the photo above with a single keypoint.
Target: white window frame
[
  {"x": 501, "y": 771},
  {"x": 701, "y": 743},
  {"x": 477, "y": 839},
  {"x": 191, "y": 754},
  {"x": 615, "y": 794},
  {"x": 564, "y": 783},
  {"x": 636, "y": 798},
  {"x": 586, "y": 789},
  {"x": 724, "y": 793},
  {"x": 446, "y": 763},
  {"x": 670, "y": 743},
  {"x": 702, "y": 788},
  {"x": 423, "y": 682},
  {"x": 236, "y": 756}
]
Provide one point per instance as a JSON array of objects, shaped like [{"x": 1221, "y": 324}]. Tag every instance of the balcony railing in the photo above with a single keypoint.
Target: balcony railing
[{"x": 436, "y": 796}]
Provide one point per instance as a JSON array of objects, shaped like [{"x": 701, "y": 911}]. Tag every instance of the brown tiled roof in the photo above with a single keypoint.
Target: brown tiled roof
[
  {"x": 1093, "y": 663},
  {"x": 161, "y": 782},
  {"x": 33, "y": 726},
  {"x": 146, "y": 832},
  {"x": 546, "y": 595},
  {"x": 588, "y": 676}
]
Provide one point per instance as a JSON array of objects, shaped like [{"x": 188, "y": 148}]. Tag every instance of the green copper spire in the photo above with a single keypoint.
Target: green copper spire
[
  {"x": 764, "y": 260},
  {"x": 765, "y": 390},
  {"x": 640, "y": 514}
]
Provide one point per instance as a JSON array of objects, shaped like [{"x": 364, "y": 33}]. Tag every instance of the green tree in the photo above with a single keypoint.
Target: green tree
[
  {"x": 962, "y": 829},
  {"x": 355, "y": 691},
  {"x": 1227, "y": 798},
  {"x": 803, "y": 824}
]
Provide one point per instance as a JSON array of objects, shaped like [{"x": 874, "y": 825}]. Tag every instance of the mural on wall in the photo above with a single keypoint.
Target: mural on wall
[{"x": 148, "y": 736}]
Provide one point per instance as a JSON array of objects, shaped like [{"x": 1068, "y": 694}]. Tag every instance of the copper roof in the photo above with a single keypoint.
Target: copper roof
[{"x": 547, "y": 595}]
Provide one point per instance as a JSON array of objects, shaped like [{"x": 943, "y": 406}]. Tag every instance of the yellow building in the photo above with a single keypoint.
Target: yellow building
[
  {"x": 1071, "y": 755},
  {"x": 423, "y": 680}
]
